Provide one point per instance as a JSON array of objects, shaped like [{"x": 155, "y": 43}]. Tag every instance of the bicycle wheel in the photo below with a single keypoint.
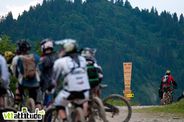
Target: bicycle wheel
[
  {"x": 97, "y": 111},
  {"x": 77, "y": 115},
  {"x": 116, "y": 104},
  {"x": 52, "y": 115},
  {"x": 30, "y": 104}
]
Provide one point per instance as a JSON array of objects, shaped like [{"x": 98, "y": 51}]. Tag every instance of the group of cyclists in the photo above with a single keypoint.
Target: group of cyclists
[
  {"x": 70, "y": 73},
  {"x": 74, "y": 71}
]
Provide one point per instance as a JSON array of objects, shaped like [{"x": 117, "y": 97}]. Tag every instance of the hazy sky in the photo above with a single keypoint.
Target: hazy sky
[{"x": 18, "y": 6}]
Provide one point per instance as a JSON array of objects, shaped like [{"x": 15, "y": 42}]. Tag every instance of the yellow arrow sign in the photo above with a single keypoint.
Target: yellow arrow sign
[{"x": 129, "y": 95}]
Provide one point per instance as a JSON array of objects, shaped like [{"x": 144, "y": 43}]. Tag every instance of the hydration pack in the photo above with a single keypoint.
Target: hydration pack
[
  {"x": 77, "y": 78},
  {"x": 29, "y": 66},
  {"x": 93, "y": 75}
]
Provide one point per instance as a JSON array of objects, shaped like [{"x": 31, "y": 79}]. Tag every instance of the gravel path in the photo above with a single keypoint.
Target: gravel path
[{"x": 148, "y": 117}]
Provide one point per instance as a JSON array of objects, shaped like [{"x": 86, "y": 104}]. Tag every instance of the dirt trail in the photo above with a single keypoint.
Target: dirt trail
[{"x": 149, "y": 117}]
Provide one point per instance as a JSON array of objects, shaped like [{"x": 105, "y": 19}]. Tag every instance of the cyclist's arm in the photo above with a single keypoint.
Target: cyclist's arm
[
  {"x": 173, "y": 82},
  {"x": 4, "y": 73},
  {"x": 57, "y": 69},
  {"x": 19, "y": 67}
]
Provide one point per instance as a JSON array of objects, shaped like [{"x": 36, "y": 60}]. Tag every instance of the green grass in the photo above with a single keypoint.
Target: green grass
[
  {"x": 175, "y": 108},
  {"x": 118, "y": 102}
]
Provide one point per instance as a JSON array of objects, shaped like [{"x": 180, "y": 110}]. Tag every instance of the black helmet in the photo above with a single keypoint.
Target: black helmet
[{"x": 23, "y": 45}]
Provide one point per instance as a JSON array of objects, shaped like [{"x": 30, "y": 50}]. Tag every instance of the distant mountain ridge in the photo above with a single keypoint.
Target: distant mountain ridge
[{"x": 152, "y": 42}]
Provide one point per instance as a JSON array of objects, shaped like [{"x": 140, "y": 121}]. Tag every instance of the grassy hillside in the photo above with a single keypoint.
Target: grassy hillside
[{"x": 175, "y": 108}]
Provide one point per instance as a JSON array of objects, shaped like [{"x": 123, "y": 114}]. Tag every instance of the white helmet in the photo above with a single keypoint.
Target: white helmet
[
  {"x": 69, "y": 45},
  {"x": 46, "y": 44}
]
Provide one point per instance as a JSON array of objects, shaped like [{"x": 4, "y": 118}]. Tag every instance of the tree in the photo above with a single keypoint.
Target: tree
[
  {"x": 181, "y": 20},
  {"x": 175, "y": 18},
  {"x": 6, "y": 44},
  {"x": 128, "y": 5}
]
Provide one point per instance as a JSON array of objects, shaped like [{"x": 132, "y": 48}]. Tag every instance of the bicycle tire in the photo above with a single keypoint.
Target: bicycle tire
[
  {"x": 166, "y": 99},
  {"x": 113, "y": 109},
  {"x": 97, "y": 105},
  {"x": 51, "y": 115}
]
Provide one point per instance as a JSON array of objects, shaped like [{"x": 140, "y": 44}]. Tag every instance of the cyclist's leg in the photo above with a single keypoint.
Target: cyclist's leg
[
  {"x": 61, "y": 101},
  {"x": 2, "y": 93},
  {"x": 2, "y": 102},
  {"x": 85, "y": 104},
  {"x": 18, "y": 94},
  {"x": 33, "y": 93}
]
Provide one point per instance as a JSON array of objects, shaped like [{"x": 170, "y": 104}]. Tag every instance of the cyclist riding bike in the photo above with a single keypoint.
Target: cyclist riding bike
[
  {"x": 72, "y": 68},
  {"x": 45, "y": 66},
  {"x": 26, "y": 72},
  {"x": 167, "y": 83},
  {"x": 95, "y": 73},
  {"x": 4, "y": 80}
]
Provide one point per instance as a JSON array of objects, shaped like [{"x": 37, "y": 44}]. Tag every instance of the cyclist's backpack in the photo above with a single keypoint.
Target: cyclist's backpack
[
  {"x": 77, "y": 79},
  {"x": 29, "y": 66},
  {"x": 48, "y": 61},
  {"x": 93, "y": 75}
]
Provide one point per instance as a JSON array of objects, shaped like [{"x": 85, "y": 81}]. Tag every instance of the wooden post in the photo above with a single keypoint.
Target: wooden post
[{"x": 127, "y": 68}]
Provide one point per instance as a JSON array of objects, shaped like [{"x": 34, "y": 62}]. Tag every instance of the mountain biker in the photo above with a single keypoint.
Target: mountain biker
[
  {"x": 45, "y": 66},
  {"x": 26, "y": 72},
  {"x": 72, "y": 68},
  {"x": 95, "y": 73},
  {"x": 167, "y": 83},
  {"x": 4, "y": 79}
]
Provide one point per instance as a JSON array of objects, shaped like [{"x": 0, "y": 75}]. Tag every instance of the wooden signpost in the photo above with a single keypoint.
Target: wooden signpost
[{"x": 127, "y": 68}]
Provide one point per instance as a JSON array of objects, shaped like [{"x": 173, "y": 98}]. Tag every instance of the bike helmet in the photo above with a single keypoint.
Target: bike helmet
[
  {"x": 168, "y": 72},
  {"x": 23, "y": 45},
  {"x": 46, "y": 44},
  {"x": 88, "y": 53},
  {"x": 70, "y": 45},
  {"x": 8, "y": 55}
]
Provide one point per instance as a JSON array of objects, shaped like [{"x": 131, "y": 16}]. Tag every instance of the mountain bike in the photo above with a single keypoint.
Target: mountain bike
[
  {"x": 117, "y": 107},
  {"x": 96, "y": 110},
  {"x": 73, "y": 111}
]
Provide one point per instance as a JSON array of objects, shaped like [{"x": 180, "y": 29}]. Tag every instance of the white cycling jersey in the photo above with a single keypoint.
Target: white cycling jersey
[
  {"x": 74, "y": 74},
  {"x": 4, "y": 72}
]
